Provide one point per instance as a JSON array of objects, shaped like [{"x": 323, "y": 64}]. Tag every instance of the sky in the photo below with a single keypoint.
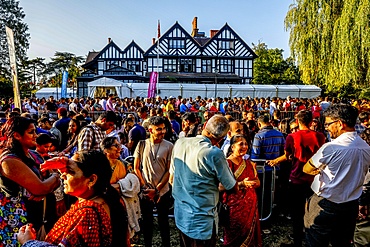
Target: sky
[{"x": 80, "y": 26}]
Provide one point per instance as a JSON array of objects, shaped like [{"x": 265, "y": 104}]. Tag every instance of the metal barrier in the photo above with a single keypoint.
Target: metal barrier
[
  {"x": 236, "y": 115},
  {"x": 265, "y": 198}
]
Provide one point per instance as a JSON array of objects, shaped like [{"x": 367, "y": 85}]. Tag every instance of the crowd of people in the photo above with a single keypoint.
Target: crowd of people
[{"x": 91, "y": 172}]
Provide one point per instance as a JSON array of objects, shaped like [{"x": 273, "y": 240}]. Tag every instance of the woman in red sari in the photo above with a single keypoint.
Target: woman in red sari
[
  {"x": 244, "y": 228},
  {"x": 97, "y": 219}
]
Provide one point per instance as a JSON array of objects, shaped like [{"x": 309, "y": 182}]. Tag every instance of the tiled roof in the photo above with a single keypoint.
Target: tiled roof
[
  {"x": 91, "y": 56},
  {"x": 201, "y": 40}
]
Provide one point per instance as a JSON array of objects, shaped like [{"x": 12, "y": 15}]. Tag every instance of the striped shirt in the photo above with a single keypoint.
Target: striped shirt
[{"x": 268, "y": 144}]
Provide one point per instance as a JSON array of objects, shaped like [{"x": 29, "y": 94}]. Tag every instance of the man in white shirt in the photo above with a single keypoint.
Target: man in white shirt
[
  {"x": 31, "y": 106},
  {"x": 341, "y": 166}
]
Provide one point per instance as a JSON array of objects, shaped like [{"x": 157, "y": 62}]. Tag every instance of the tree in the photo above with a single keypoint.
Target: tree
[
  {"x": 330, "y": 42},
  {"x": 34, "y": 69},
  {"x": 271, "y": 68},
  {"x": 12, "y": 15},
  {"x": 63, "y": 61}
]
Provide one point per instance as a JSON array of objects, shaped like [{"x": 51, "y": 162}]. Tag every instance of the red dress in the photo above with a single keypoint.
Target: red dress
[
  {"x": 81, "y": 226},
  {"x": 244, "y": 228}
]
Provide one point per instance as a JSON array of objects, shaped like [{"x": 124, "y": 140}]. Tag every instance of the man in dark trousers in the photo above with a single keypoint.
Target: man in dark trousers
[
  {"x": 300, "y": 146},
  {"x": 340, "y": 167}
]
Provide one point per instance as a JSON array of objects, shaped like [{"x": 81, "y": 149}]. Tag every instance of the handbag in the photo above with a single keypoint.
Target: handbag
[{"x": 224, "y": 214}]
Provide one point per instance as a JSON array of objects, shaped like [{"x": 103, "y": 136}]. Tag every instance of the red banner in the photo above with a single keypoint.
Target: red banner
[{"x": 152, "y": 84}]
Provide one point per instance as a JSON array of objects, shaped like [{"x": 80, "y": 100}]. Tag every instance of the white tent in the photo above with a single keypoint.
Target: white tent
[
  {"x": 104, "y": 86},
  {"x": 46, "y": 92},
  {"x": 222, "y": 90}
]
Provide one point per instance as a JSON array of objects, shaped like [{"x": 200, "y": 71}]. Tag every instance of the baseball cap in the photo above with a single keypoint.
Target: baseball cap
[{"x": 61, "y": 110}]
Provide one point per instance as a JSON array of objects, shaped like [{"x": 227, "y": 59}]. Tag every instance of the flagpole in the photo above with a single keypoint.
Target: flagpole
[{"x": 159, "y": 35}]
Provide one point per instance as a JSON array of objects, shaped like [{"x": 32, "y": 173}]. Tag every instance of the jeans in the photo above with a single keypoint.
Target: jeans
[
  {"x": 328, "y": 222},
  {"x": 147, "y": 223}
]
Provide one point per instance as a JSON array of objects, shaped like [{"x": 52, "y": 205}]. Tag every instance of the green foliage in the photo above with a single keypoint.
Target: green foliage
[
  {"x": 365, "y": 94},
  {"x": 271, "y": 68},
  {"x": 6, "y": 87},
  {"x": 12, "y": 15},
  {"x": 64, "y": 61},
  {"x": 34, "y": 69},
  {"x": 330, "y": 42}
]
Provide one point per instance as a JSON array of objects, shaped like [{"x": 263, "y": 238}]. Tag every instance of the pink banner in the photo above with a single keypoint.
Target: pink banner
[{"x": 152, "y": 84}]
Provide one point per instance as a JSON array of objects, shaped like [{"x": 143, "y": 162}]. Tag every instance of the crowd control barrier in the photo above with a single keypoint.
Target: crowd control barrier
[{"x": 266, "y": 191}]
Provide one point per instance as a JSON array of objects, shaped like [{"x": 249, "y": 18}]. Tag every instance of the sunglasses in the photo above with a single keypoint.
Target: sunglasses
[{"x": 326, "y": 125}]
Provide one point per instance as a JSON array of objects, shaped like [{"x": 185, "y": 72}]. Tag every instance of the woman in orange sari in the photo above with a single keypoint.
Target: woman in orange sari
[{"x": 244, "y": 228}]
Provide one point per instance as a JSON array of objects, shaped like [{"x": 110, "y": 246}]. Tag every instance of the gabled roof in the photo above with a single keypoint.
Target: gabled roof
[
  {"x": 226, "y": 27},
  {"x": 120, "y": 69},
  {"x": 95, "y": 55},
  {"x": 91, "y": 56},
  {"x": 133, "y": 44},
  {"x": 166, "y": 35},
  {"x": 104, "y": 81}
]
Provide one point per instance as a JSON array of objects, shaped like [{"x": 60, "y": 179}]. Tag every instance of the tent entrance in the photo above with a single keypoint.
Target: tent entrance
[{"x": 104, "y": 91}]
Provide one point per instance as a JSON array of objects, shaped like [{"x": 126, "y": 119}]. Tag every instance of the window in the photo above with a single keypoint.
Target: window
[
  {"x": 111, "y": 64},
  {"x": 100, "y": 67},
  {"x": 186, "y": 65},
  {"x": 226, "y": 66},
  {"x": 176, "y": 44},
  {"x": 169, "y": 65},
  {"x": 226, "y": 44},
  {"x": 207, "y": 66},
  {"x": 133, "y": 65}
]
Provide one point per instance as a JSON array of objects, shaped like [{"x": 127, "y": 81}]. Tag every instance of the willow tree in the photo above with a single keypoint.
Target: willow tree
[{"x": 330, "y": 40}]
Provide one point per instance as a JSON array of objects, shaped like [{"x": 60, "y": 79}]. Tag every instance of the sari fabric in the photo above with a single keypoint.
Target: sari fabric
[
  {"x": 244, "y": 228},
  {"x": 81, "y": 226}
]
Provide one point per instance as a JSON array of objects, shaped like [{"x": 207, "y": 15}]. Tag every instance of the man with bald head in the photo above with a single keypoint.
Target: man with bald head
[
  {"x": 197, "y": 168},
  {"x": 235, "y": 128}
]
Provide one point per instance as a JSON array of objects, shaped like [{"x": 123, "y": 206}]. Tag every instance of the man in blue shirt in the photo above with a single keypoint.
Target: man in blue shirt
[
  {"x": 183, "y": 108},
  {"x": 197, "y": 168},
  {"x": 223, "y": 106},
  {"x": 135, "y": 133},
  {"x": 268, "y": 143}
]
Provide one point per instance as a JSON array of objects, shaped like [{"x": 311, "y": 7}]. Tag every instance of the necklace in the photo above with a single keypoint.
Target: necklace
[{"x": 155, "y": 155}]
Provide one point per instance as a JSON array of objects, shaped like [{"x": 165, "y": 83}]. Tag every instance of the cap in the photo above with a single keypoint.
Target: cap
[
  {"x": 61, "y": 110},
  {"x": 171, "y": 97}
]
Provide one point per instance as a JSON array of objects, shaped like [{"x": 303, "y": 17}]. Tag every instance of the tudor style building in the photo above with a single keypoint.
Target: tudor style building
[{"x": 179, "y": 57}]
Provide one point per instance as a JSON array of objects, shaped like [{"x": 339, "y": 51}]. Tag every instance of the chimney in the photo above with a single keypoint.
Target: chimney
[
  {"x": 212, "y": 33},
  {"x": 194, "y": 32},
  {"x": 109, "y": 40},
  {"x": 153, "y": 41}
]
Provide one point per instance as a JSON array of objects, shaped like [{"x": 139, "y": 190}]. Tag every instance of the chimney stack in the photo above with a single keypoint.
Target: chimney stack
[
  {"x": 212, "y": 32},
  {"x": 109, "y": 40},
  {"x": 194, "y": 32},
  {"x": 153, "y": 41}
]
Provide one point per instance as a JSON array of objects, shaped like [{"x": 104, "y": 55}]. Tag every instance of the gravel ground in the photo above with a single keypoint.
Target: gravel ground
[{"x": 279, "y": 227}]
